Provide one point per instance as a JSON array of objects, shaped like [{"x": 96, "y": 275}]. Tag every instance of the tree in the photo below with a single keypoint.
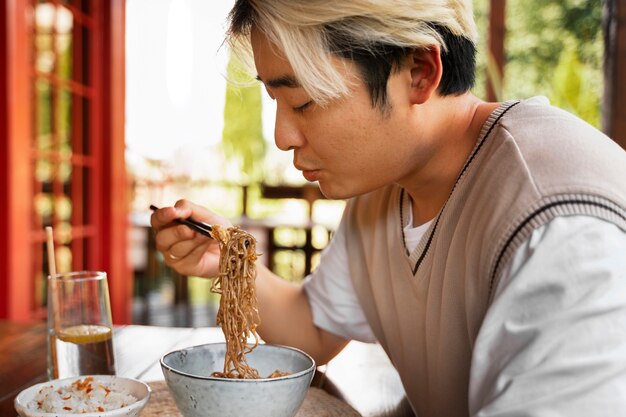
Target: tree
[
  {"x": 543, "y": 33},
  {"x": 570, "y": 91},
  {"x": 242, "y": 137}
]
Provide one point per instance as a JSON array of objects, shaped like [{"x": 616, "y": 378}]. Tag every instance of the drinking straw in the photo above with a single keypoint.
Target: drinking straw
[
  {"x": 52, "y": 269},
  {"x": 51, "y": 258},
  {"x": 53, "y": 272}
]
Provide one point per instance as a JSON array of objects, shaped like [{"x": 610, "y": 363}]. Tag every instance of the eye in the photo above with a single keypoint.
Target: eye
[{"x": 302, "y": 108}]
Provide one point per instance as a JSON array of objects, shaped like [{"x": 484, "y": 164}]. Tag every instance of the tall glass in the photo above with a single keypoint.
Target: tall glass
[{"x": 80, "y": 330}]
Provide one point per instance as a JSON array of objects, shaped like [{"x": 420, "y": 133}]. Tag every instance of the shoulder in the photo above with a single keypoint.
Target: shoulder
[
  {"x": 568, "y": 247},
  {"x": 540, "y": 163},
  {"x": 536, "y": 123}
]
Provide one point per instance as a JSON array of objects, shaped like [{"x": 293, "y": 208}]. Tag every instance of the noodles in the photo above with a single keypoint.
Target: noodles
[{"x": 238, "y": 315}]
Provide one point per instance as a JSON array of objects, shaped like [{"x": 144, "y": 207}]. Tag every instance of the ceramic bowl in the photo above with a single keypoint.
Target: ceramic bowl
[
  {"x": 198, "y": 394},
  {"x": 138, "y": 389}
]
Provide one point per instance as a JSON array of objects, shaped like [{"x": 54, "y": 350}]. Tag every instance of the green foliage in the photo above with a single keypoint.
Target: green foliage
[
  {"x": 552, "y": 48},
  {"x": 571, "y": 92},
  {"x": 550, "y": 44},
  {"x": 242, "y": 137},
  {"x": 481, "y": 14}
]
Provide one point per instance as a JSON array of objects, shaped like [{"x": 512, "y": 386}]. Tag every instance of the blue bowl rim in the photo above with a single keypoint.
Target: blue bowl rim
[{"x": 310, "y": 369}]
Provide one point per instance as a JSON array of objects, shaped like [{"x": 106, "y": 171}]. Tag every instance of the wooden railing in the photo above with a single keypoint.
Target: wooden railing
[{"x": 292, "y": 259}]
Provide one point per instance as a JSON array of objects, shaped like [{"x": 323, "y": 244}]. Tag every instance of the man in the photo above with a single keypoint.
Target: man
[{"x": 483, "y": 245}]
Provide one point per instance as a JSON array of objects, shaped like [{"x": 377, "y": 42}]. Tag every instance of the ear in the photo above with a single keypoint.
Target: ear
[{"x": 426, "y": 70}]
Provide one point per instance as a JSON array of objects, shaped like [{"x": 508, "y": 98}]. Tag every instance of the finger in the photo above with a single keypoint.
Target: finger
[
  {"x": 187, "y": 208},
  {"x": 170, "y": 256},
  {"x": 168, "y": 236},
  {"x": 190, "y": 261},
  {"x": 184, "y": 248},
  {"x": 163, "y": 217},
  {"x": 166, "y": 215}
]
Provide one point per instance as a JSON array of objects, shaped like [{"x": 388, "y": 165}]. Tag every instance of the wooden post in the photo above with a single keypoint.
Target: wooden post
[
  {"x": 16, "y": 285},
  {"x": 495, "y": 59},
  {"x": 614, "y": 99},
  {"x": 114, "y": 212}
]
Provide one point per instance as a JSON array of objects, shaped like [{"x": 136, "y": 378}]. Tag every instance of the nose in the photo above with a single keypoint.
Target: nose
[{"x": 287, "y": 133}]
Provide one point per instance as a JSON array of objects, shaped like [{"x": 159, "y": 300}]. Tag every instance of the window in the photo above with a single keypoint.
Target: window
[{"x": 64, "y": 147}]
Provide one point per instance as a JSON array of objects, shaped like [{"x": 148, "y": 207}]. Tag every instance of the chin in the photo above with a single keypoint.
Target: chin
[{"x": 337, "y": 192}]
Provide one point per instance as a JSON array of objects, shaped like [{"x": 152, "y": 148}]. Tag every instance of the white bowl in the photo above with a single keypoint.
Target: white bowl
[
  {"x": 198, "y": 394},
  {"x": 138, "y": 389}
]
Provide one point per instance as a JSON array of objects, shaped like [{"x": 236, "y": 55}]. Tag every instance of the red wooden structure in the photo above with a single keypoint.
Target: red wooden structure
[
  {"x": 497, "y": 34},
  {"x": 62, "y": 109},
  {"x": 614, "y": 102}
]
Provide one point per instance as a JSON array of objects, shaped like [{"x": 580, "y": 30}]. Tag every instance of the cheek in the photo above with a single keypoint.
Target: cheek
[
  {"x": 338, "y": 140},
  {"x": 363, "y": 139},
  {"x": 350, "y": 135},
  {"x": 347, "y": 126}
]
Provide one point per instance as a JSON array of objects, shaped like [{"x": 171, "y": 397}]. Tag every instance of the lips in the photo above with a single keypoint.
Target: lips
[
  {"x": 311, "y": 175},
  {"x": 308, "y": 171}
]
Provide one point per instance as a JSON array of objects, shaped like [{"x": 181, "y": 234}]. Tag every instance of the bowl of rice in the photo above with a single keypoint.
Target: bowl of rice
[{"x": 88, "y": 396}]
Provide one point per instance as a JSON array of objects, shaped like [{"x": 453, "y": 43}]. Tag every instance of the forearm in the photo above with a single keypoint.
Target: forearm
[{"x": 286, "y": 318}]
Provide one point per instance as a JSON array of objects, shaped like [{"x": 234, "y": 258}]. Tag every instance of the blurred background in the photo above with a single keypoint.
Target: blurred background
[{"x": 108, "y": 106}]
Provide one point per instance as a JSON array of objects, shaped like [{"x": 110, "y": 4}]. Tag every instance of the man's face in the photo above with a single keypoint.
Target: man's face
[{"x": 348, "y": 146}]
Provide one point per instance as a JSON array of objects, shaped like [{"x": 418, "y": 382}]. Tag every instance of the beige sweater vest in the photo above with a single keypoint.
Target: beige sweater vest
[{"x": 532, "y": 163}]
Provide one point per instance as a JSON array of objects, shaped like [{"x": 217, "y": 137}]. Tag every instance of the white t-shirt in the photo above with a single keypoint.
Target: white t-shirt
[
  {"x": 580, "y": 254},
  {"x": 330, "y": 291}
]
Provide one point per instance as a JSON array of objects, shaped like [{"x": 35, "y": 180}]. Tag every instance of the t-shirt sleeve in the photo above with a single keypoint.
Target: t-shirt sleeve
[
  {"x": 553, "y": 341},
  {"x": 331, "y": 294}
]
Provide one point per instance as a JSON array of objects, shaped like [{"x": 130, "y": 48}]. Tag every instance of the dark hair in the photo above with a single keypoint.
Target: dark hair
[
  {"x": 377, "y": 60},
  {"x": 241, "y": 17}
]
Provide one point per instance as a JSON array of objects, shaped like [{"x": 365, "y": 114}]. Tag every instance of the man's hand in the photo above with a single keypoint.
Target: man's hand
[{"x": 185, "y": 250}]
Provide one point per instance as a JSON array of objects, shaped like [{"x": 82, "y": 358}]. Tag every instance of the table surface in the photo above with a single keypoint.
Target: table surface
[{"x": 361, "y": 374}]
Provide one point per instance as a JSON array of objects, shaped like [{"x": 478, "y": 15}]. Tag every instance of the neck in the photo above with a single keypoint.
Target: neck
[{"x": 452, "y": 139}]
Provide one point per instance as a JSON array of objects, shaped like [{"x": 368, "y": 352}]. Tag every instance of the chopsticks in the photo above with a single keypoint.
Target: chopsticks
[{"x": 200, "y": 227}]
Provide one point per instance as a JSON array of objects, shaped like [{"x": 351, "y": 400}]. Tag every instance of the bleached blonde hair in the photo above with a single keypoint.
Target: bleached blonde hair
[{"x": 308, "y": 32}]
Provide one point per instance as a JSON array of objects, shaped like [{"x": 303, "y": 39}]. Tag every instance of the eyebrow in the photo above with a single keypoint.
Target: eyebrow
[{"x": 282, "y": 81}]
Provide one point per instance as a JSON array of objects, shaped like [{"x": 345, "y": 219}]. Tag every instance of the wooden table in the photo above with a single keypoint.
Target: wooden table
[{"x": 361, "y": 374}]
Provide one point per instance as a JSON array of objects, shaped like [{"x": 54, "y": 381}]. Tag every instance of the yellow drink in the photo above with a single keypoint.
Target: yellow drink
[{"x": 84, "y": 349}]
